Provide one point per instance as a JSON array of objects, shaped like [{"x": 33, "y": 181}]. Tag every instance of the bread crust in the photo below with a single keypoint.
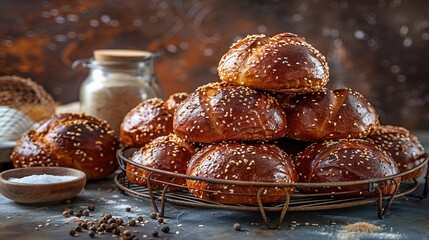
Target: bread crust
[
  {"x": 328, "y": 114},
  {"x": 243, "y": 162},
  {"x": 223, "y": 112},
  {"x": 345, "y": 160},
  {"x": 168, "y": 153},
  {"x": 282, "y": 63},
  {"x": 70, "y": 140},
  {"x": 404, "y": 147},
  {"x": 145, "y": 122}
]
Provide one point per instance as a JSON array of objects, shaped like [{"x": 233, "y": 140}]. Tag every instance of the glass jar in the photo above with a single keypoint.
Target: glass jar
[{"x": 117, "y": 82}]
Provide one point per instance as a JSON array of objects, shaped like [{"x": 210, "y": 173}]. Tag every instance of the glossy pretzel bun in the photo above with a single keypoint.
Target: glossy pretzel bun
[
  {"x": 174, "y": 100},
  {"x": 242, "y": 162},
  {"x": 148, "y": 120},
  {"x": 282, "y": 63},
  {"x": 328, "y": 114},
  {"x": 69, "y": 140},
  {"x": 345, "y": 160},
  {"x": 403, "y": 146},
  {"x": 222, "y": 112},
  {"x": 145, "y": 122},
  {"x": 168, "y": 153}
]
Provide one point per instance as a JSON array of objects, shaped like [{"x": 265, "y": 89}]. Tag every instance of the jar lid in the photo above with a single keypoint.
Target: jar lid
[
  {"x": 121, "y": 57},
  {"x": 103, "y": 55}
]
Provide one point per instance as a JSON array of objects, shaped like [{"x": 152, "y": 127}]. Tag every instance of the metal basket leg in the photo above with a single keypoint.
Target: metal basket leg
[
  {"x": 152, "y": 197},
  {"x": 163, "y": 199},
  {"x": 268, "y": 223},
  {"x": 382, "y": 210}
]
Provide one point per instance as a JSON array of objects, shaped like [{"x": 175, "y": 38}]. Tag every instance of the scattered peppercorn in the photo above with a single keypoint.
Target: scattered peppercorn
[
  {"x": 155, "y": 233},
  {"x": 91, "y": 207},
  {"x": 113, "y": 225},
  {"x": 78, "y": 229},
  {"x": 153, "y": 215},
  {"x": 79, "y": 214},
  {"x": 112, "y": 220},
  {"x": 140, "y": 218},
  {"x": 108, "y": 229},
  {"x": 127, "y": 233},
  {"x": 93, "y": 228},
  {"x": 91, "y": 234},
  {"x": 85, "y": 213},
  {"x": 100, "y": 229},
  {"x": 117, "y": 231},
  {"x": 84, "y": 225},
  {"x": 237, "y": 227},
  {"x": 72, "y": 232},
  {"x": 108, "y": 216},
  {"x": 119, "y": 221},
  {"x": 104, "y": 225},
  {"x": 132, "y": 222},
  {"x": 66, "y": 214},
  {"x": 160, "y": 220},
  {"x": 128, "y": 209},
  {"x": 165, "y": 229}
]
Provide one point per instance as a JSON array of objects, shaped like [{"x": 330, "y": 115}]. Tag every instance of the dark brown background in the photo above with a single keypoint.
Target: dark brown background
[{"x": 379, "y": 48}]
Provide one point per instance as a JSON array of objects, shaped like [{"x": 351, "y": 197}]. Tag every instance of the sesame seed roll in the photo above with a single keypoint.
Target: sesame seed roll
[
  {"x": 345, "y": 160},
  {"x": 169, "y": 153},
  {"x": 282, "y": 63},
  {"x": 148, "y": 120},
  {"x": 403, "y": 146},
  {"x": 243, "y": 162},
  {"x": 223, "y": 112},
  {"x": 69, "y": 140},
  {"x": 328, "y": 114}
]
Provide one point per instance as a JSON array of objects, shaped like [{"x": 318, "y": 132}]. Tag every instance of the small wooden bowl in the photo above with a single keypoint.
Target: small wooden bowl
[{"x": 39, "y": 194}]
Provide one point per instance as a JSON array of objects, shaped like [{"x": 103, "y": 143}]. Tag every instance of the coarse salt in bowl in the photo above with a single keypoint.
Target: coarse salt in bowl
[{"x": 41, "y": 185}]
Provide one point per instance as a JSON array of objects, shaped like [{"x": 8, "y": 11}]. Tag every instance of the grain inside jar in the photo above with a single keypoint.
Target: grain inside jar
[{"x": 117, "y": 82}]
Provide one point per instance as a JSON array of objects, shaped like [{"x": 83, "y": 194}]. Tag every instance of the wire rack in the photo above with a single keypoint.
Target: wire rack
[{"x": 293, "y": 202}]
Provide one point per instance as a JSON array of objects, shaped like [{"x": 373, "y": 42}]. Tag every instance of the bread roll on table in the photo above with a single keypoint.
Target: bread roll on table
[{"x": 69, "y": 140}]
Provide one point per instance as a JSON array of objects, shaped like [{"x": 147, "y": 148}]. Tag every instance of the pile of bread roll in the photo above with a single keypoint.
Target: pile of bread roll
[{"x": 269, "y": 119}]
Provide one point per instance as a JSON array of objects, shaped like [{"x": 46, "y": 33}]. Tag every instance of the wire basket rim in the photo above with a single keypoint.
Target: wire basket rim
[{"x": 122, "y": 159}]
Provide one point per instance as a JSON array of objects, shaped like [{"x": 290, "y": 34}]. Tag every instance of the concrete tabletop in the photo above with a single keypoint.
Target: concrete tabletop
[{"x": 408, "y": 218}]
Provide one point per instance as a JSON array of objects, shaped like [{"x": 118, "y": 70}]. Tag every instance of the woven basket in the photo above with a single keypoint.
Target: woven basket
[
  {"x": 22, "y": 103},
  {"x": 27, "y": 97}
]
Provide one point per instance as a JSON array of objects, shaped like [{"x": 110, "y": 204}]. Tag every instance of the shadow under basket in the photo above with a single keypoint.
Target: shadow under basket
[{"x": 296, "y": 201}]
